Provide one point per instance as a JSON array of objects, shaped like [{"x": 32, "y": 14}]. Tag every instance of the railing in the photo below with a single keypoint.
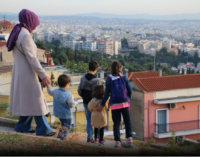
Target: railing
[{"x": 178, "y": 126}]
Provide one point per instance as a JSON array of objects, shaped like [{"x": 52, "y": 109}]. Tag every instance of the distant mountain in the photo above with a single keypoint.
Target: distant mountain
[
  {"x": 192, "y": 16},
  {"x": 195, "y": 16}
]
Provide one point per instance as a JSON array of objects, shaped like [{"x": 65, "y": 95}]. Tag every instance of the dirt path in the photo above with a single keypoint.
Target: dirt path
[{"x": 77, "y": 138}]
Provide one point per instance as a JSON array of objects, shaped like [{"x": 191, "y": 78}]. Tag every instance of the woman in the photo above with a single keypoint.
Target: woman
[
  {"x": 26, "y": 96},
  {"x": 118, "y": 86}
]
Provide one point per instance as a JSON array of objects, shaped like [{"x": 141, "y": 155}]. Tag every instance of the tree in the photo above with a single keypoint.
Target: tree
[
  {"x": 75, "y": 56},
  {"x": 56, "y": 61},
  {"x": 52, "y": 79},
  {"x": 103, "y": 64},
  {"x": 125, "y": 57},
  {"x": 82, "y": 67},
  {"x": 196, "y": 55},
  {"x": 122, "y": 61},
  {"x": 62, "y": 58},
  {"x": 179, "y": 51},
  {"x": 91, "y": 57},
  {"x": 86, "y": 59},
  {"x": 71, "y": 65},
  {"x": 119, "y": 56},
  {"x": 183, "y": 53},
  {"x": 40, "y": 44},
  {"x": 159, "y": 65},
  {"x": 67, "y": 52}
]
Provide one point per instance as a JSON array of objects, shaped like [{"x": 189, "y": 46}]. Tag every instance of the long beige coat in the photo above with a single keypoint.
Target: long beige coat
[
  {"x": 98, "y": 119},
  {"x": 26, "y": 96}
]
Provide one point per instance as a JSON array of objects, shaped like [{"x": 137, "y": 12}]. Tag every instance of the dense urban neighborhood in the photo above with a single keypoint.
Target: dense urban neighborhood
[{"x": 160, "y": 58}]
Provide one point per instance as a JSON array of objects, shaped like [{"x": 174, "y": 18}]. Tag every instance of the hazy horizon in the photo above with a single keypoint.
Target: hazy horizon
[{"x": 125, "y": 7}]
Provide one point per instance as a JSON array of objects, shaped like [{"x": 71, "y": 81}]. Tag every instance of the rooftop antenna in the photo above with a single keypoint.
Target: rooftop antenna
[{"x": 4, "y": 17}]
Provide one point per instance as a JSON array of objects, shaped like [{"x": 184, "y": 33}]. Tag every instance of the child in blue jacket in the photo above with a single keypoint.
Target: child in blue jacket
[{"x": 63, "y": 102}]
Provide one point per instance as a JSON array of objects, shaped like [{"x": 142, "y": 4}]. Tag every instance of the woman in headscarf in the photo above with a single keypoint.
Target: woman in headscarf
[{"x": 26, "y": 96}]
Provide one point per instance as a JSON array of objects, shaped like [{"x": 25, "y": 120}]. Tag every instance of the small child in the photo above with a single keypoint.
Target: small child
[
  {"x": 98, "y": 119},
  {"x": 63, "y": 101}
]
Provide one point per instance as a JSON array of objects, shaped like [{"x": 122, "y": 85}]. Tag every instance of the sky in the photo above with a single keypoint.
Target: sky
[{"x": 123, "y": 7}]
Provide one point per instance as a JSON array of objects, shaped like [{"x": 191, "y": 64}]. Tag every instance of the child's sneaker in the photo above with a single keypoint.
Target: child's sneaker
[
  {"x": 96, "y": 141},
  {"x": 129, "y": 141},
  {"x": 101, "y": 143},
  {"x": 117, "y": 144},
  {"x": 90, "y": 140}
]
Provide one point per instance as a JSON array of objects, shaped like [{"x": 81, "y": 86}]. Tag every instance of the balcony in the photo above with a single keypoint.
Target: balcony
[{"x": 180, "y": 128}]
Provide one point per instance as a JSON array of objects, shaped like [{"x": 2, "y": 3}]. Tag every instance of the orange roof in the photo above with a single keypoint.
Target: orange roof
[
  {"x": 143, "y": 74},
  {"x": 151, "y": 84},
  {"x": 5, "y": 23}
]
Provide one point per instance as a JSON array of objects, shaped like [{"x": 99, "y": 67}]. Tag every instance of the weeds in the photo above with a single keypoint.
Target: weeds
[
  {"x": 143, "y": 146},
  {"x": 3, "y": 106}
]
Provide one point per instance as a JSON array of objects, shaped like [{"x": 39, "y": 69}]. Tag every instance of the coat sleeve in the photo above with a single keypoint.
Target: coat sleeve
[
  {"x": 50, "y": 90},
  {"x": 90, "y": 108},
  {"x": 71, "y": 102},
  {"x": 107, "y": 92},
  {"x": 29, "y": 51}
]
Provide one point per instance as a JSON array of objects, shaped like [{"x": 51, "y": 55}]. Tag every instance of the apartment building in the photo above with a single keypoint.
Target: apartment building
[
  {"x": 132, "y": 43},
  {"x": 142, "y": 46},
  {"x": 70, "y": 43},
  {"x": 166, "y": 44},
  {"x": 116, "y": 47}
]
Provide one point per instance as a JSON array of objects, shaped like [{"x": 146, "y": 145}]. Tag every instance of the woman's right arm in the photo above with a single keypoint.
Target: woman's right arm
[
  {"x": 28, "y": 48},
  {"x": 107, "y": 92}
]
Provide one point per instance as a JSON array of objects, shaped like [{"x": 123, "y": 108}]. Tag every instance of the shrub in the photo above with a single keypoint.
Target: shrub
[{"x": 3, "y": 106}]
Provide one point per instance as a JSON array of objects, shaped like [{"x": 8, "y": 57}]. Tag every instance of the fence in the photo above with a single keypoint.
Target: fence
[{"x": 178, "y": 126}]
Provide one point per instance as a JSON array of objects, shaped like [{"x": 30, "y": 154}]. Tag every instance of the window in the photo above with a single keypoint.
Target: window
[{"x": 162, "y": 120}]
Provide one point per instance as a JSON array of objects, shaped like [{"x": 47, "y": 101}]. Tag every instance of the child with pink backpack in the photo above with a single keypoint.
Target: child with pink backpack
[{"x": 120, "y": 89}]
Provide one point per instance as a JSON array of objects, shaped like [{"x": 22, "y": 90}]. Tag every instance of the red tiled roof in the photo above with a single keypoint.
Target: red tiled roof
[
  {"x": 168, "y": 82},
  {"x": 144, "y": 74}
]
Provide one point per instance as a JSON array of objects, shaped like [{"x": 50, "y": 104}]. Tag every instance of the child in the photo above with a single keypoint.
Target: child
[
  {"x": 98, "y": 119},
  {"x": 85, "y": 90},
  {"x": 63, "y": 101},
  {"x": 120, "y": 89}
]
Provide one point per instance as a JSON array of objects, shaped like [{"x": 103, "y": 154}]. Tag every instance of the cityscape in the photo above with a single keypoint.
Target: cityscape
[{"x": 158, "y": 49}]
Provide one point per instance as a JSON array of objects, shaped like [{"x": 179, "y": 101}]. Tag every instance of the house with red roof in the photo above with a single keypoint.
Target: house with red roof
[{"x": 162, "y": 103}]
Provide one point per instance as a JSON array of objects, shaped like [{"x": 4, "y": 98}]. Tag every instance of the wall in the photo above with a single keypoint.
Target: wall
[
  {"x": 190, "y": 113},
  {"x": 137, "y": 114},
  {"x": 7, "y": 57},
  {"x": 177, "y": 93},
  {"x": 5, "y": 80}
]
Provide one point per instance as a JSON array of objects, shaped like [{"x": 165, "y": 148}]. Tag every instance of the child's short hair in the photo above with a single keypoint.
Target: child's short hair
[
  {"x": 93, "y": 65},
  {"x": 63, "y": 80},
  {"x": 98, "y": 92}
]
